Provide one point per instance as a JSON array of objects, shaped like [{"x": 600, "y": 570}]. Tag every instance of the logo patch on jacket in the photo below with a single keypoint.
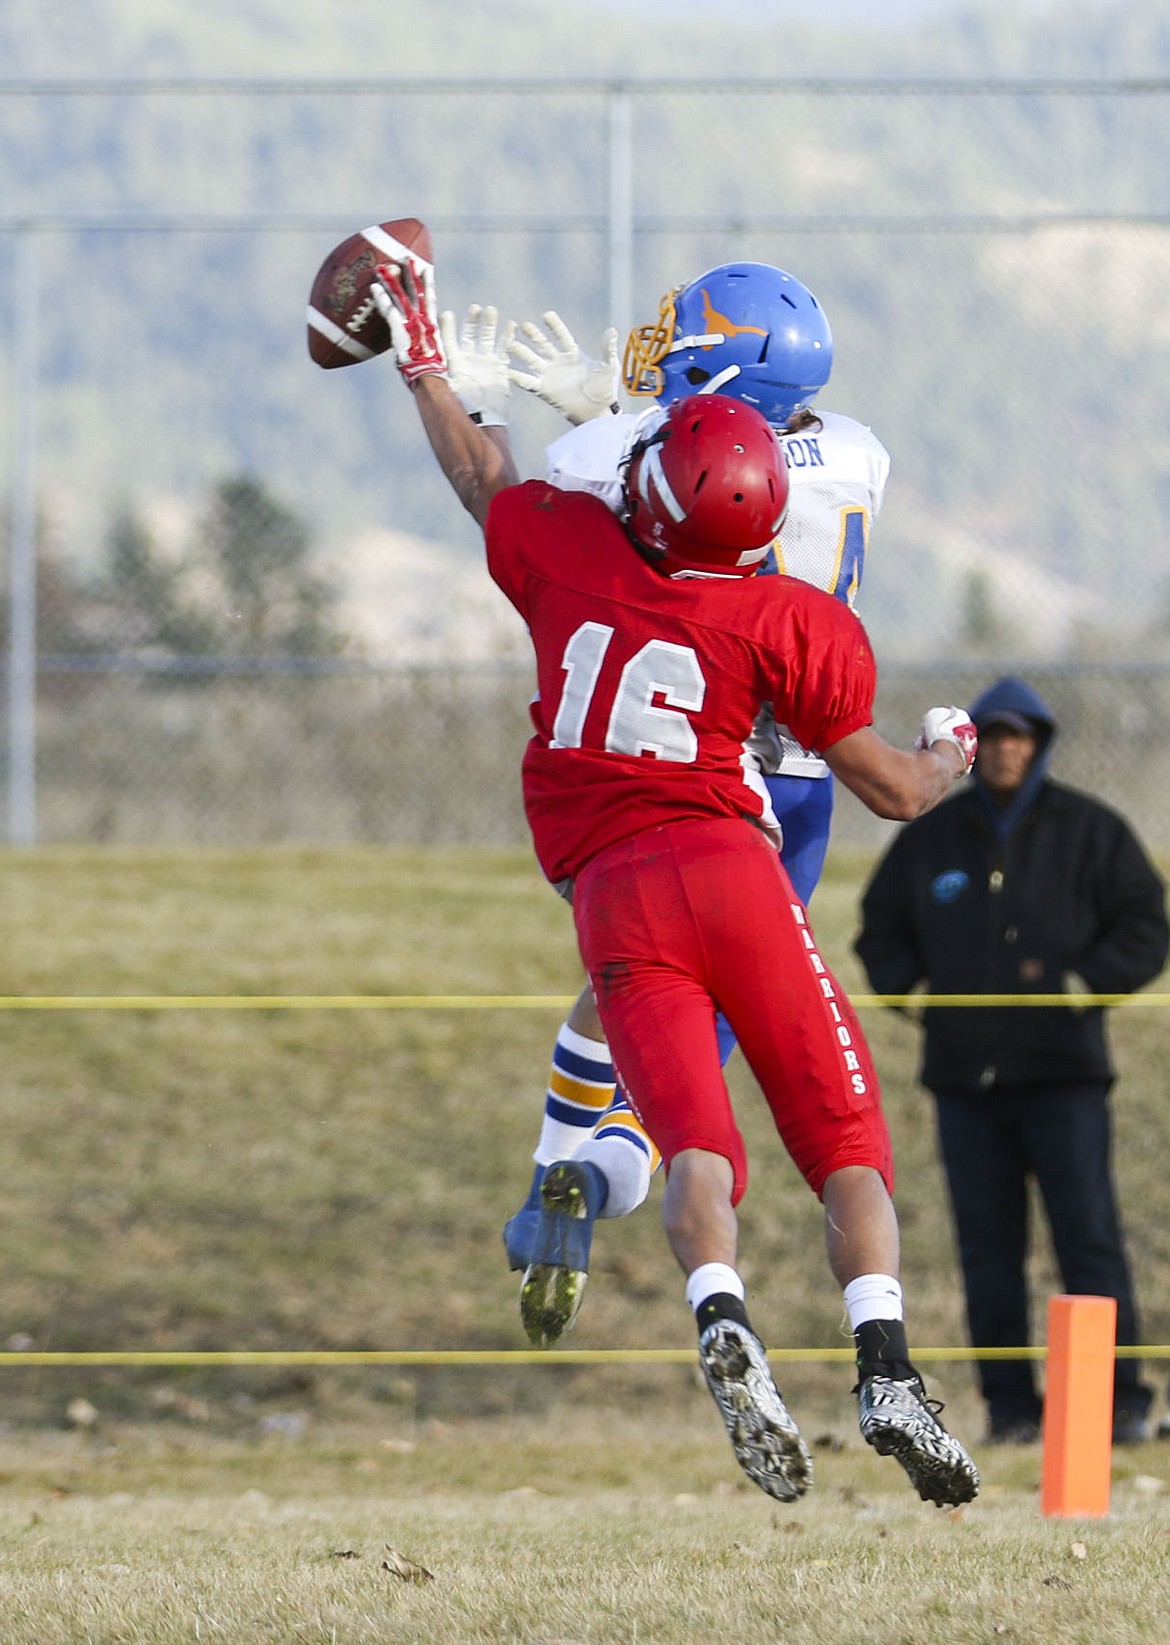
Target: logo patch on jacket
[{"x": 949, "y": 887}]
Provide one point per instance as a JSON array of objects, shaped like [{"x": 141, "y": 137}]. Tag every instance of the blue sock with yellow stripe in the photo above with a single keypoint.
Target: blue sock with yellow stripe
[{"x": 580, "y": 1089}]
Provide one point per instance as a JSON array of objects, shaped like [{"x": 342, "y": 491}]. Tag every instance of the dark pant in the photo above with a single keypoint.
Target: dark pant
[{"x": 991, "y": 1143}]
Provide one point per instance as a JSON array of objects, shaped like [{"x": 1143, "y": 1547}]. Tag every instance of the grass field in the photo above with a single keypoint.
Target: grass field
[
  {"x": 322, "y": 1179},
  {"x": 587, "y": 1528}
]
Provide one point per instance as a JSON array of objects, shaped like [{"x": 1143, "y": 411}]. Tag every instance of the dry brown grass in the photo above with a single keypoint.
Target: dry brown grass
[
  {"x": 579, "y": 1528},
  {"x": 338, "y": 1180},
  {"x": 326, "y": 1179}
]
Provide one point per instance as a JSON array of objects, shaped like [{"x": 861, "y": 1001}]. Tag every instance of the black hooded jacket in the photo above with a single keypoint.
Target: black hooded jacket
[{"x": 971, "y": 899}]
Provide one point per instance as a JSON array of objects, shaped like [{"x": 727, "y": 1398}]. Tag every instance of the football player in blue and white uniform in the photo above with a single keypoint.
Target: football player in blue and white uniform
[{"x": 757, "y": 334}]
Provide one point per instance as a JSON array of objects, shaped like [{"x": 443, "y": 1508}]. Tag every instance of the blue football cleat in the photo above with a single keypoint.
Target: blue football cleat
[
  {"x": 522, "y": 1230},
  {"x": 572, "y": 1195}
]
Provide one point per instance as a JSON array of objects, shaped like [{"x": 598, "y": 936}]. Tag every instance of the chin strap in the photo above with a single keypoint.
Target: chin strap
[{"x": 715, "y": 384}]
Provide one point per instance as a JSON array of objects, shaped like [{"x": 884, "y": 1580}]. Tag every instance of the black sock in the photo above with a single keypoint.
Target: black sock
[
  {"x": 721, "y": 1305},
  {"x": 882, "y": 1348}
]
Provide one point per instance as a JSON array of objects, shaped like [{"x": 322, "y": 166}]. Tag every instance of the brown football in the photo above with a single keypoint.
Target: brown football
[{"x": 344, "y": 324}]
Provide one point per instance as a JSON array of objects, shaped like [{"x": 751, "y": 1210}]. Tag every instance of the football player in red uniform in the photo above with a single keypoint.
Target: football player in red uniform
[
  {"x": 655, "y": 645},
  {"x": 757, "y": 334}
]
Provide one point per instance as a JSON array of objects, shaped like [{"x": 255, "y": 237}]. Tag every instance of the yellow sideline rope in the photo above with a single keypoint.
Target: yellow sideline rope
[
  {"x": 457, "y": 1356},
  {"x": 492, "y": 1002},
  {"x": 281, "y": 1002},
  {"x": 11, "y": 1359}
]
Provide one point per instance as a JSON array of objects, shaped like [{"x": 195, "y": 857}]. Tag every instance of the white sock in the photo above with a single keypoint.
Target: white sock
[
  {"x": 873, "y": 1296},
  {"x": 709, "y": 1280},
  {"x": 626, "y": 1169}
]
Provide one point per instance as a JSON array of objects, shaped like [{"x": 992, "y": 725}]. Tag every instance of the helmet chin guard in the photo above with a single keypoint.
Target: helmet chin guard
[
  {"x": 746, "y": 330},
  {"x": 706, "y": 488},
  {"x": 645, "y": 348}
]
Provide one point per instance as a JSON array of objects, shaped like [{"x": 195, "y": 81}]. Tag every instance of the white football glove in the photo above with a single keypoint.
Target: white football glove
[
  {"x": 950, "y": 725},
  {"x": 555, "y": 369},
  {"x": 405, "y": 297},
  {"x": 477, "y": 364}
]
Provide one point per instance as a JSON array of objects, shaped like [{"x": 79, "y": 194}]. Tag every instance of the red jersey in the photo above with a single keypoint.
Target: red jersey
[{"x": 648, "y": 686}]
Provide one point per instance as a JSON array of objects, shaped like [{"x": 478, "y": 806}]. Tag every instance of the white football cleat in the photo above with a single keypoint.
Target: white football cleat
[{"x": 766, "y": 1441}]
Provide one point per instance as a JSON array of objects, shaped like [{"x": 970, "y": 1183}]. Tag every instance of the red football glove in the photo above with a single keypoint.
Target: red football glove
[
  {"x": 405, "y": 295},
  {"x": 950, "y": 725}
]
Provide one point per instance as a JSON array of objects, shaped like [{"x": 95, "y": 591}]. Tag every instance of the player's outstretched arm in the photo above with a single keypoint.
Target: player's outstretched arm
[
  {"x": 476, "y": 461},
  {"x": 900, "y": 784},
  {"x": 470, "y": 445},
  {"x": 552, "y": 366}
]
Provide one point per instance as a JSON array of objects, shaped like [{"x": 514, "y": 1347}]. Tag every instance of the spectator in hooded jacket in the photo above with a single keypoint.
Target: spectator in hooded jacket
[{"x": 1020, "y": 885}]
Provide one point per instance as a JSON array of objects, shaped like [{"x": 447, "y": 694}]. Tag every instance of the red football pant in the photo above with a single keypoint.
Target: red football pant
[{"x": 693, "y": 915}]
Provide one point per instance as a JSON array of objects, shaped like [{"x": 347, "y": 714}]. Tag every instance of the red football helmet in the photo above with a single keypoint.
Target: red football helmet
[{"x": 706, "y": 488}]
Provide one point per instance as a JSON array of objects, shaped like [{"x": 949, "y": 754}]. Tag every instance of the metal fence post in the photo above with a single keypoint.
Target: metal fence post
[
  {"x": 22, "y": 620},
  {"x": 621, "y": 212}
]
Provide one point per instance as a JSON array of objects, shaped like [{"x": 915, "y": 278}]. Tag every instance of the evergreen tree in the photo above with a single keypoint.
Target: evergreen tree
[
  {"x": 260, "y": 552},
  {"x": 243, "y": 587}
]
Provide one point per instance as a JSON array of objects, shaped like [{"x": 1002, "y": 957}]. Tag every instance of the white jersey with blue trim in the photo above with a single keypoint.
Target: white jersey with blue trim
[
  {"x": 836, "y": 481},
  {"x": 590, "y": 457}
]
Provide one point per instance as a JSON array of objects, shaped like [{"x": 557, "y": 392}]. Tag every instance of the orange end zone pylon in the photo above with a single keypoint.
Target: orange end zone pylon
[{"x": 1078, "y": 1407}]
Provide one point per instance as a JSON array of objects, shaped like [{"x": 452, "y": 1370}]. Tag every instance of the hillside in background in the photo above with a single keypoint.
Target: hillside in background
[
  {"x": 995, "y": 268},
  {"x": 126, "y": 37}
]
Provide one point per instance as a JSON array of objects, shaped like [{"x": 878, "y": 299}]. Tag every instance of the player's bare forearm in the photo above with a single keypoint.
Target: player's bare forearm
[
  {"x": 476, "y": 461},
  {"x": 894, "y": 782}
]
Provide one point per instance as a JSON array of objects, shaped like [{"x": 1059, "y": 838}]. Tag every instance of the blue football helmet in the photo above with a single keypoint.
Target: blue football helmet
[{"x": 746, "y": 330}]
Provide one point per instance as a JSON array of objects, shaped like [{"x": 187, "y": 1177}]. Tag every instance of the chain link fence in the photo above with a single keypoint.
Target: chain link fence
[
  {"x": 325, "y": 755},
  {"x": 351, "y": 753},
  {"x": 260, "y": 615}
]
